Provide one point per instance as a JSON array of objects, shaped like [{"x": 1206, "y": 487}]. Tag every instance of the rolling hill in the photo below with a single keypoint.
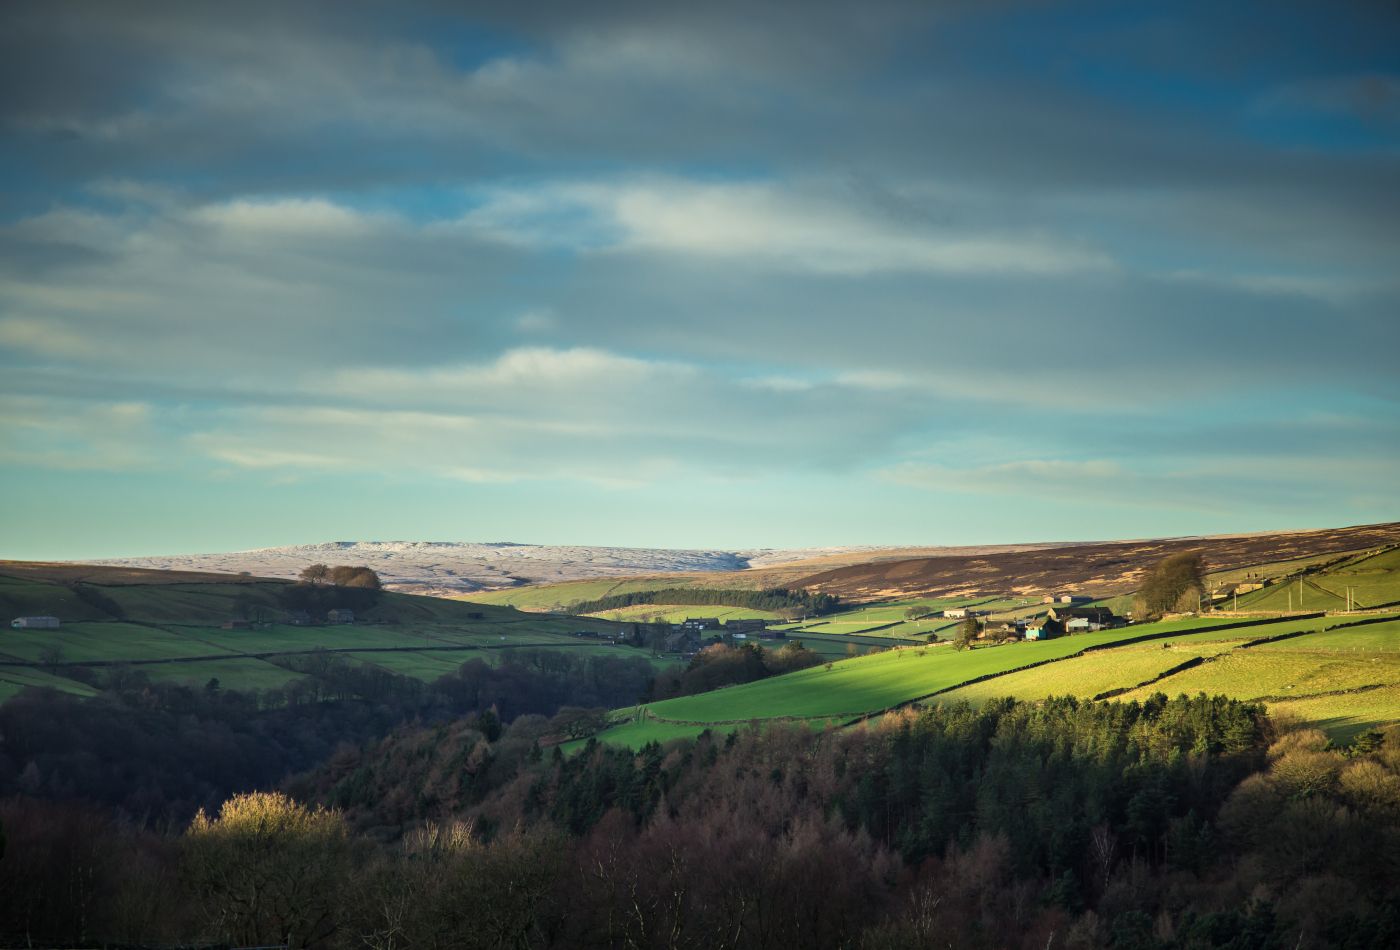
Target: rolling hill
[
  {"x": 171, "y": 626},
  {"x": 1341, "y": 676},
  {"x": 1097, "y": 570}
]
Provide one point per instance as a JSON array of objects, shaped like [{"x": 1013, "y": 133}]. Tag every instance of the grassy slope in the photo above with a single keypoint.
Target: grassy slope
[
  {"x": 872, "y": 683},
  {"x": 1374, "y": 581},
  {"x": 675, "y": 614},
  {"x": 559, "y": 596},
  {"x": 180, "y": 621},
  {"x": 1089, "y": 675},
  {"x": 1353, "y": 658},
  {"x": 1344, "y": 680}
]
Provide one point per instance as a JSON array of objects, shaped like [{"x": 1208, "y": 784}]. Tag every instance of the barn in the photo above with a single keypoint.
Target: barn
[{"x": 34, "y": 623}]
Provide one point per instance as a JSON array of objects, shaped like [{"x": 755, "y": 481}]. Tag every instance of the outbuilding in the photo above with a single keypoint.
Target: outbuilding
[
  {"x": 341, "y": 615},
  {"x": 1044, "y": 630},
  {"x": 34, "y": 623}
]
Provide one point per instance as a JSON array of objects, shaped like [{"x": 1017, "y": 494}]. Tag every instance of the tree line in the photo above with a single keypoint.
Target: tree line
[
  {"x": 720, "y": 665},
  {"x": 342, "y": 575}
]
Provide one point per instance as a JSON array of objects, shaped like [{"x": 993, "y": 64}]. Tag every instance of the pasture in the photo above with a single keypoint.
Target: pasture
[
  {"x": 172, "y": 632},
  {"x": 646, "y": 613},
  {"x": 872, "y": 683},
  {"x": 1372, "y": 579},
  {"x": 557, "y": 597},
  {"x": 1084, "y": 665}
]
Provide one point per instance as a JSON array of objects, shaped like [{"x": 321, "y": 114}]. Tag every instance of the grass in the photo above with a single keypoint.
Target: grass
[
  {"x": 182, "y": 620},
  {"x": 103, "y": 642},
  {"x": 1321, "y": 662},
  {"x": 244, "y": 673},
  {"x": 14, "y": 680},
  {"x": 1342, "y": 680},
  {"x": 869, "y": 684},
  {"x": 559, "y": 596},
  {"x": 1372, "y": 637},
  {"x": 1344, "y": 715},
  {"x": 1091, "y": 674},
  {"x": 676, "y": 614},
  {"x": 1374, "y": 581}
]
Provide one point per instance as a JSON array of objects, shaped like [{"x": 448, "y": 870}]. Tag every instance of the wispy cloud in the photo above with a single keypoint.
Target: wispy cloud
[{"x": 761, "y": 224}]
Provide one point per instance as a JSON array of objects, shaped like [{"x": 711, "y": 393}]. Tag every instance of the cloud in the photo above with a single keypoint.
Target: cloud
[
  {"x": 757, "y": 224},
  {"x": 74, "y": 435},
  {"x": 899, "y": 239},
  {"x": 43, "y": 338},
  {"x": 537, "y": 321},
  {"x": 301, "y": 217}
]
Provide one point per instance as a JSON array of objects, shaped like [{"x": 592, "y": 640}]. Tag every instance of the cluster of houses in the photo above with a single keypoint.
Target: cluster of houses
[
  {"x": 1059, "y": 620},
  {"x": 1067, "y": 620},
  {"x": 689, "y": 635}
]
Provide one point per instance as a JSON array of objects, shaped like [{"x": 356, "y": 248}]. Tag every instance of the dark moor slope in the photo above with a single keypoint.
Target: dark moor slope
[{"x": 1098, "y": 569}]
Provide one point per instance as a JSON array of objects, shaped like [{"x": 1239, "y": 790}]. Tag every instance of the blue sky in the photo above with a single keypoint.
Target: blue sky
[{"x": 694, "y": 275}]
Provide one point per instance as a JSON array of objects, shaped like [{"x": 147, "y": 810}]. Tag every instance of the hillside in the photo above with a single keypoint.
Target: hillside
[
  {"x": 1097, "y": 570},
  {"x": 170, "y": 626},
  {"x": 1323, "y": 669},
  {"x": 458, "y": 566}
]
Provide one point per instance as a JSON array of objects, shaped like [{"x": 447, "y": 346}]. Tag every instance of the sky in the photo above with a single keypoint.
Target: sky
[{"x": 694, "y": 275}]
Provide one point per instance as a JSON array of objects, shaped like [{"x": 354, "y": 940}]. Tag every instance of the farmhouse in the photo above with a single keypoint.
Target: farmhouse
[
  {"x": 700, "y": 623},
  {"x": 682, "y": 641},
  {"x": 34, "y": 623},
  {"x": 1085, "y": 619},
  {"x": 299, "y": 618},
  {"x": 958, "y": 613},
  {"x": 341, "y": 615},
  {"x": 1011, "y": 629}
]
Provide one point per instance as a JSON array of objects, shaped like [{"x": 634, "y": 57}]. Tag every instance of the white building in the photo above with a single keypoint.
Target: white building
[{"x": 34, "y": 623}]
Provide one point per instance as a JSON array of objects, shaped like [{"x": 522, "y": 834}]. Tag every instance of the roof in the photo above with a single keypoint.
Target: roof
[{"x": 1100, "y": 614}]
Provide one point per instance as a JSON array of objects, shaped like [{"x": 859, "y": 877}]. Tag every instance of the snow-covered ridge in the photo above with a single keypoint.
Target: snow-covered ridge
[{"x": 466, "y": 565}]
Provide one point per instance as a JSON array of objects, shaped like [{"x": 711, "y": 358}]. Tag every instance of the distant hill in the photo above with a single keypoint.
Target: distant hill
[
  {"x": 247, "y": 632},
  {"x": 461, "y": 566}
]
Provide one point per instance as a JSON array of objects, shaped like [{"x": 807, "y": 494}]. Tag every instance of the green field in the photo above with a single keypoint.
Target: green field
[
  {"x": 14, "y": 680},
  {"x": 558, "y": 596},
  {"x": 1325, "y": 662},
  {"x": 1091, "y": 674},
  {"x": 867, "y": 685},
  {"x": 1344, "y": 715},
  {"x": 671, "y": 614},
  {"x": 872, "y": 683},
  {"x": 231, "y": 673},
  {"x": 1343, "y": 680},
  {"x": 172, "y": 632},
  {"x": 1374, "y": 582}
]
